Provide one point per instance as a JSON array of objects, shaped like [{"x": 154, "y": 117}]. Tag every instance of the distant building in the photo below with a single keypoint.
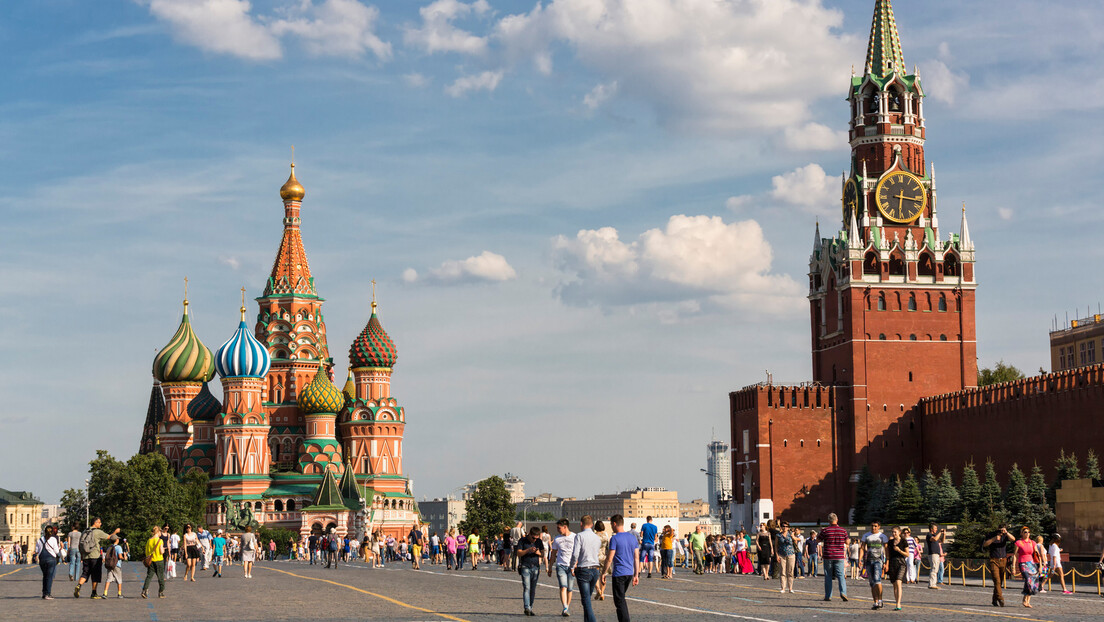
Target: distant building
[
  {"x": 1078, "y": 344},
  {"x": 443, "y": 514},
  {"x": 718, "y": 467},
  {"x": 544, "y": 502},
  {"x": 635, "y": 505},
  {"x": 19, "y": 516},
  {"x": 514, "y": 485},
  {"x": 50, "y": 513},
  {"x": 693, "y": 510}
]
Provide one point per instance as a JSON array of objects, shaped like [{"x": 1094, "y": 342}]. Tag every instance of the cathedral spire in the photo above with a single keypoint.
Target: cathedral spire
[
  {"x": 883, "y": 53},
  {"x": 964, "y": 241},
  {"x": 291, "y": 272}
]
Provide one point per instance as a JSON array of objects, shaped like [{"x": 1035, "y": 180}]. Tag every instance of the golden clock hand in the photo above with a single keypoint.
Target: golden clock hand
[{"x": 903, "y": 197}]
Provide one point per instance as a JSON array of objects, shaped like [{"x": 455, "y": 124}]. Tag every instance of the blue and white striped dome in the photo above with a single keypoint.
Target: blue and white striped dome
[{"x": 242, "y": 355}]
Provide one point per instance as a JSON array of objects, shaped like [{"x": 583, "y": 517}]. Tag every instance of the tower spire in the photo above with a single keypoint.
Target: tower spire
[
  {"x": 964, "y": 241},
  {"x": 373, "y": 296},
  {"x": 185, "y": 295},
  {"x": 883, "y": 53}
]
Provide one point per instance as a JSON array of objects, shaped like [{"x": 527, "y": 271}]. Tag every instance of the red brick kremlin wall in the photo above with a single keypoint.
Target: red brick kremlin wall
[{"x": 1025, "y": 421}]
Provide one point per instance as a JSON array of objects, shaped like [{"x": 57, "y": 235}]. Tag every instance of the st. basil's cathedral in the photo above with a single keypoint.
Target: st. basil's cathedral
[{"x": 285, "y": 444}]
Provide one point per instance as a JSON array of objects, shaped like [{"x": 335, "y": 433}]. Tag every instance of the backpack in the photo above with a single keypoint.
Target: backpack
[
  {"x": 333, "y": 544},
  {"x": 87, "y": 543},
  {"x": 112, "y": 559}
]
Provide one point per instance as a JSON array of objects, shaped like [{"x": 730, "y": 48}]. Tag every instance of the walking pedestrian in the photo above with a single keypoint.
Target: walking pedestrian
[
  {"x": 667, "y": 553},
  {"x": 517, "y": 532},
  {"x": 73, "y": 541},
  {"x": 913, "y": 561},
  {"x": 249, "y": 550},
  {"x": 562, "y": 547},
  {"x": 811, "y": 544},
  {"x": 997, "y": 544},
  {"x": 91, "y": 560},
  {"x": 786, "y": 557},
  {"x": 218, "y": 546},
  {"x": 530, "y": 552},
  {"x": 1055, "y": 554},
  {"x": 416, "y": 540},
  {"x": 873, "y": 544},
  {"x": 48, "y": 552},
  {"x": 584, "y": 563},
  {"x": 113, "y": 566},
  {"x": 1027, "y": 561},
  {"x": 473, "y": 548},
  {"x": 648, "y": 534},
  {"x": 853, "y": 549},
  {"x": 697, "y": 549},
  {"x": 204, "y": 547},
  {"x": 191, "y": 552},
  {"x": 899, "y": 561},
  {"x": 603, "y": 554},
  {"x": 155, "y": 563},
  {"x": 624, "y": 563},
  {"x": 833, "y": 552},
  {"x": 462, "y": 549}
]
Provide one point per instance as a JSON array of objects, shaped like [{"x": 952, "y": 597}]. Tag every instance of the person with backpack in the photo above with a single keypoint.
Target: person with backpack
[
  {"x": 331, "y": 549},
  {"x": 113, "y": 565},
  {"x": 91, "y": 559},
  {"x": 48, "y": 553}
]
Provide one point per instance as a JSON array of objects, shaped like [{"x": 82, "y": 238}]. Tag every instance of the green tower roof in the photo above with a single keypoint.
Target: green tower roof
[
  {"x": 327, "y": 496},
  {"x": 883, "y": 54},
  {"x": 185, "y": 358}
]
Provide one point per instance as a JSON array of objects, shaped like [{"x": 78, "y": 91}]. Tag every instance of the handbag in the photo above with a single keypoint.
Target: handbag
[{"x": 147, "y": 561}]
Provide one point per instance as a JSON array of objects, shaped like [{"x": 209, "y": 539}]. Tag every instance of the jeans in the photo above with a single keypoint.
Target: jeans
[
  {"x": 620, "y": 586},
  {"x": 812, "y": 564},
  {"x": 833, "y": 568},
  {"x": 529, "y": 576},
  {"x": 156, "y": 569},
  {"x": 799, "y": 565},
  {"x": 874, "y": 571},
  {"x": 667, "y": 559},
  {"x": 563, "y": 576},
  {"x": 586, "y": 578},
  {"x": 942, "y": 568},
  {"x": 48, "y": 563},
  {"x": 461, "y": 557},
  {"x": 74, "y": 564},
  {"x": 450, "y": 559}
]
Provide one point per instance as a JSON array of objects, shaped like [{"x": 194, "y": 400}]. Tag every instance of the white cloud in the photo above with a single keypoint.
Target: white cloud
[
  {"x": 807, "y": 186},
  {"x": 438, "y": 34},
  {"x": 814, "y": 137},
  {"x": 941, "y": 83},
  {"x": 330, "y": 28},
  {"x": 415, "y": 80},
  {"x": 1005, "y": 213},
  {"x": 707, "y": 65},
  {"x": 486, "y": 81},
  {"x": 335, "y": 28},
  {"x": 737, "y": 203},
  {"x": 485, "y": 267},
  {"x": 229, "y": 261},
  {"x": 693, "y": 262},
  {"x": 221, "y": 26},
  {"x": 599, "y": 95}
]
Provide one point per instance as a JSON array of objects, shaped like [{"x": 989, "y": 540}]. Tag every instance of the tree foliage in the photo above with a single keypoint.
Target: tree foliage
[
  {"x": 72, "y": 508},
  {"x": 992, "y": 500},
  {"x": 999, "y": 373},
  {"x": 1092, "y": 465},
  {"x": 970, "y": 491},
  {"x": 971, "y": 533},
  {"x": 1065, "y": 467},
  {"x": 1037, "y": 496},
  {"x": 489, "y": 508},
  {"x": 864, "y": 491},
  {"x": 909, "y": 506},
  {"x": 1017, "y": 503},
  {"x": 282, "y": 537},
  {"x": 142, "y": 492},
  {"x": 949, "y": 505}
]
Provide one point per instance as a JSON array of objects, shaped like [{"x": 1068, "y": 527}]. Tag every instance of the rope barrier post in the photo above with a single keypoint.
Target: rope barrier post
[
  {"x": 1098, "y": 582},
  {"x": 983, "y": 575},
  {"x": 1073, "y": 578}
]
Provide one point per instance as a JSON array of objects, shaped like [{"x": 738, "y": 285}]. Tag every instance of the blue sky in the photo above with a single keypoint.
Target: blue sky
[{"x": 589, "y": 219}]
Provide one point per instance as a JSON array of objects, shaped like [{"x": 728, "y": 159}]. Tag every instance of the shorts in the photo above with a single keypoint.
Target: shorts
[
  {"x": 193, "y": 552},
  {"x": 416, "y": 551},
  {"x": 92, "y": 569},
  {"x": 647, "y": 554},
  {"x": 435, "y": 550},
  {"x": 564, "y": 576},
  {"x": 874, "y": 571}
]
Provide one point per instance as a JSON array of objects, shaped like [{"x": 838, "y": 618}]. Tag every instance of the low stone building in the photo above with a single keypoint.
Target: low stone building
[{"x": 20, "y": 516}]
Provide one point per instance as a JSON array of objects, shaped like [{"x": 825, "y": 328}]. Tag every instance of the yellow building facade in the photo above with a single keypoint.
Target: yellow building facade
[{"x": 20, "y": 517}]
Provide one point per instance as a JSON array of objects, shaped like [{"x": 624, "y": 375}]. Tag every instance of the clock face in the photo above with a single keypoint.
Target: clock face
[
  {"x": 850, "y": 200},
  {"x": 901, "y": 197}
]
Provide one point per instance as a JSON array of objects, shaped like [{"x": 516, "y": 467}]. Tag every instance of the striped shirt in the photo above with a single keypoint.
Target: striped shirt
[{"x": 834, "y": 539}]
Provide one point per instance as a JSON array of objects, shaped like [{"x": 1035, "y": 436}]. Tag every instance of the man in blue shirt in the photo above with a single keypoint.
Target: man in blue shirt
[
  {"x": 648, "y": 535},
  {"x": 625, "y": 564},
  {"x": 219, "y": 544}
]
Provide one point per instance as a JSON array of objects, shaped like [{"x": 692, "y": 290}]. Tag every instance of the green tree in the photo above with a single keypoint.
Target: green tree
[
  {"x": 1037, "y": 495},
  {"x": 930, "y": 495},
  {"x": 865, "y": 490},
  {"x": 910, "y": 505},
  {"x": 879, "y": 502},
  {"x": 949, "y": 507},
  {"x": 489, "y": 508},
  {"x": 1001, "y": 372},
  {"x": 143, "y": 492},
  {"x": 1065, "y": 467},
  {"x": 72, "y": 508},
  {"x": 971, "y": 533},
  {"x": 991, "y": 498},
  {"x": 1016, "y": 500},
  {"x": 1092, "y": 465},
  {"x": 282, "y": 537},
  {"x": 970, "y": 491}
]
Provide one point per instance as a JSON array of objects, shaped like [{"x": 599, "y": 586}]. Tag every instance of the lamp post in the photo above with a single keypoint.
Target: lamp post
[{"x": 724, "y": 498}]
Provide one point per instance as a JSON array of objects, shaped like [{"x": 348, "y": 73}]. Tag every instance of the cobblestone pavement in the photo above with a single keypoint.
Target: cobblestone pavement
[{"x": 297, "y": 591}]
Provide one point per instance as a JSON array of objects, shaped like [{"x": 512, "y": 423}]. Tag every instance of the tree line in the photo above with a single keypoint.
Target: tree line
[{"x": 978, "y": 504}]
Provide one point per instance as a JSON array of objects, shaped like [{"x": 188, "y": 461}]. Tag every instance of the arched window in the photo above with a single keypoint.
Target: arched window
[
  {"x": 818, "y": 442},
  {"x": 896, "y": 265},
  {"x": 951, "y": 266},
  {"x": 871, "y": 265},
  {"x": 926, "y": 265},
  {"x": 912, "y": 337},
  {"x": 881, "y": 302},
  {"x": 942, "y": 337},
  {"x": 278, "y": 505},
  {"x": 895, "y": 100},
  {"x": 881, "y": 337},
  {"x": 785, "y": 442},
  {"x": 291, "y": 505},
  {"x": 912, "y": 302},
  {"x": 942, "y": 302},
  {"x": 802, "y": 442}
]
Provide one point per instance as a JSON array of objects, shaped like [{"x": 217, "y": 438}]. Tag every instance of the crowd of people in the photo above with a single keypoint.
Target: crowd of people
[{"x": 600, "y": 554}]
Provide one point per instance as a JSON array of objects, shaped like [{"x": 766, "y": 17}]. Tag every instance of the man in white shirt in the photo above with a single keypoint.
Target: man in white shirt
[
  {"x": 584, "y": 564},
  {"x": 562, "y": 548}
]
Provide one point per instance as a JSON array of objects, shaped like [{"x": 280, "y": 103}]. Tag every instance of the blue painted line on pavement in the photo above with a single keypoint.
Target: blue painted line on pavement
[
  {"x": 833, "y": 611},
  {"x": 750, "y": 600}
]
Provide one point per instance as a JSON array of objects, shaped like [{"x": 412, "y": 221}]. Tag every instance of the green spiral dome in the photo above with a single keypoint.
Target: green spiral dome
[
  {"x": 185, "y": 358},
  {"x": 321, "y": 396}
]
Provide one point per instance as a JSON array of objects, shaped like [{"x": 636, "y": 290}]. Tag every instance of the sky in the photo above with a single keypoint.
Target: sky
[{"x": 589, "y": 220}]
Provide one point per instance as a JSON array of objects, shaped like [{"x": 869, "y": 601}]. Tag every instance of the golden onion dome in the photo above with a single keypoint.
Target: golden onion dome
[{"x": 292, "y": 190}]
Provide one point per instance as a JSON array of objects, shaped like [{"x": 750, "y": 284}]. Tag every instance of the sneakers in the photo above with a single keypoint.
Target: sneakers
[
  {"x": 843, "y": 597},
  {"x": 144, "y": 594},
  {"x": 160, "y": 594},
  {"x": 96, "y": 596},
  {"x": 119, "y": 595},
  {"x": 791, "y": 590},
  {"x": 47, "y": 598},
  {"x": 529, "y": 612},
  {"x": 565, "y": 613}
]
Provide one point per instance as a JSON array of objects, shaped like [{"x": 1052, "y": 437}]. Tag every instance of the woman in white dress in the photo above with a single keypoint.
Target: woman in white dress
[{"x": 248, "y": 551}]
